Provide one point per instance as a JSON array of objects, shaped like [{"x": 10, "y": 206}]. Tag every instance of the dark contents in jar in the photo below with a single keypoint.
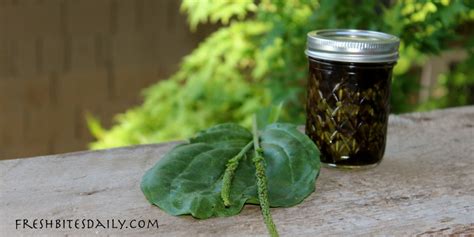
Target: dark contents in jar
[{"x": 347, "y": 110}]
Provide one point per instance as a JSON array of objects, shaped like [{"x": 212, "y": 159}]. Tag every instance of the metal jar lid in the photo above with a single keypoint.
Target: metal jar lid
[{"x": 346, "y": 45}]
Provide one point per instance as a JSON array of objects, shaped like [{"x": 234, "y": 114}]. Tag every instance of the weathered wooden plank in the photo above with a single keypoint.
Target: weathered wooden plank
[{"x": 425, "y": 185}]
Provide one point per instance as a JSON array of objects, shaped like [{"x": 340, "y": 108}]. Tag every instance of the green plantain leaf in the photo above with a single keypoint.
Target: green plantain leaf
[
  {"x": 292, "y": 164},
  {"x": 188, "y": 179}
]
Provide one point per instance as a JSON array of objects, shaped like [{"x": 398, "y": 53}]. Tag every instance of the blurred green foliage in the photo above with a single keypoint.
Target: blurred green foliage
[{"x": 256, "y": 60}]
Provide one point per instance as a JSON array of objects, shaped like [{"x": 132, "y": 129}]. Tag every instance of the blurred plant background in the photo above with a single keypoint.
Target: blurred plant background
[{"x": 255, "y": 60}]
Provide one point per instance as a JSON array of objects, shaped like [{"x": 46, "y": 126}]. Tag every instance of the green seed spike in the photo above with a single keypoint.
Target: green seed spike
[
  {"x": 258, "y": 161},
  {"x": 232, "y": 165},
  {"x": 263, "y": 194}
]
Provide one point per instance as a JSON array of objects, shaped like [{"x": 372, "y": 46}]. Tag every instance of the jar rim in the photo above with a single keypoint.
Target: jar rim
[{"x": 351, "y": 45}]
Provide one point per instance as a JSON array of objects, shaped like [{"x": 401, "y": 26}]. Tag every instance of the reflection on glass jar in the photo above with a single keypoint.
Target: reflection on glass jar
[{"x": 348, "y": 95}]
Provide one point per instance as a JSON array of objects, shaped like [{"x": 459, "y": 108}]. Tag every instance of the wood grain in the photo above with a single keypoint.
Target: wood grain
[{"x": 424, "y": 186}]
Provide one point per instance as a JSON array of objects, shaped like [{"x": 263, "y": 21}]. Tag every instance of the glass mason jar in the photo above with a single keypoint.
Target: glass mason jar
[{"x": 348, "y": 94}]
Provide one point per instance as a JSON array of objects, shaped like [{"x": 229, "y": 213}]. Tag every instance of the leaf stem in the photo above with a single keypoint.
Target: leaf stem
[
  {"x": 258, "y": 161},
  {"x": 232, "y": 165}
]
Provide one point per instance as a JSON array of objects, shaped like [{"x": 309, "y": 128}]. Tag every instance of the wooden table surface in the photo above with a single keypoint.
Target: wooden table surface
[{"x": 424, "y": 186}]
